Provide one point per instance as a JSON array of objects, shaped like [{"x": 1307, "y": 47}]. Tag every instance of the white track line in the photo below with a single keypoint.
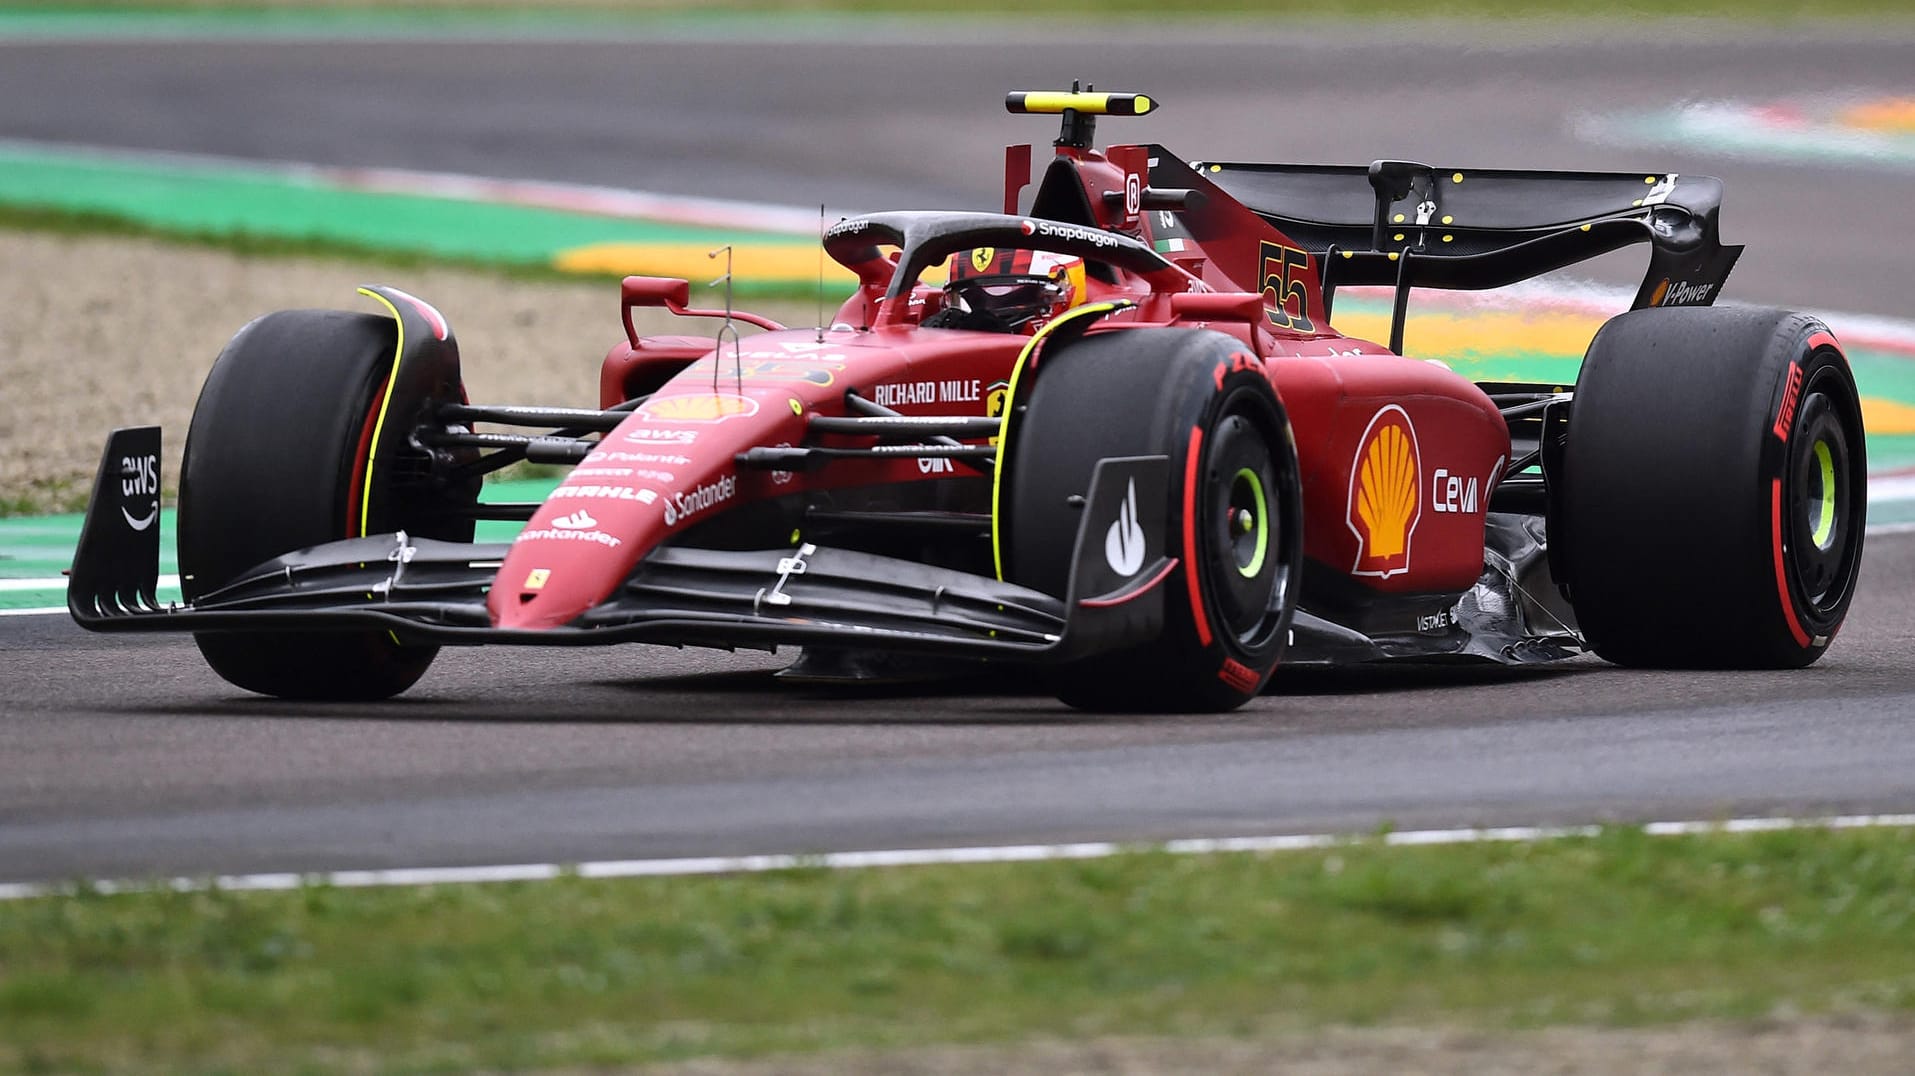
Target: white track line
[
  {"x": 59, "y": 583},
  {"x": 918, "y": 857}
]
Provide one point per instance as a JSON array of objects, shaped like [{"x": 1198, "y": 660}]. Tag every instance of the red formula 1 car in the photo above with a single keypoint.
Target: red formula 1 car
[{"x": 1122, "y": 442}]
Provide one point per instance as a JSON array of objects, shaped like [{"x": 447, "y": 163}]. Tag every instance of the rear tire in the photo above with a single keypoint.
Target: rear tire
[
  {"x": 1714, "y": 489},
  {"x": 275, "y": 462},
  {"x": 1166, "y": 392}
]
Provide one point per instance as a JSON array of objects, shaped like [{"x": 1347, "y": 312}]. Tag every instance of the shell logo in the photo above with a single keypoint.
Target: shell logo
[
  {"x": 1385, "y": 478},
  {"x": 698, "y": 407}
]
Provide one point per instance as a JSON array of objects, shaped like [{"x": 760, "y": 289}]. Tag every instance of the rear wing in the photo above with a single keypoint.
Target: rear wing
[{"x": 1413, "y": 225}]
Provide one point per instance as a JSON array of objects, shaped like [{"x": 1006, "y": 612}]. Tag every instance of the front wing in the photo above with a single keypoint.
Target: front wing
[{"x": 425, "y": 591}]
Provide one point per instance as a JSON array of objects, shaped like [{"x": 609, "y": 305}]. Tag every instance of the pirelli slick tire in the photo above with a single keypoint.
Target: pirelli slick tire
[
  {"x": 276, "y": 460},
  {"x": 1713, "y": 491},
  {"x": 1234, "y": 516}
]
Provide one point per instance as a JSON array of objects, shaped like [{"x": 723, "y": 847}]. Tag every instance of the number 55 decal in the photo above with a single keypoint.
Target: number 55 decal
[{"x": 1284, "y": 288}]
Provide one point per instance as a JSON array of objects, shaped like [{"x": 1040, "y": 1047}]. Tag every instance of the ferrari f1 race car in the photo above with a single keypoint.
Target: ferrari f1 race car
[{"x": 1114, "y": 437}]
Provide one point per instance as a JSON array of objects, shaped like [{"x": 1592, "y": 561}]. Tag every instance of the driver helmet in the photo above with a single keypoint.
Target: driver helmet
[{"x": 1018, "y": 290}]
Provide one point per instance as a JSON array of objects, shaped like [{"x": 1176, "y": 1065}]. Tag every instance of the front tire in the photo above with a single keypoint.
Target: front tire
[
  {"x": 1714, "y": 489},
  {"x": 1234, "y": 514},
  {"x": 276, "y": 461}
]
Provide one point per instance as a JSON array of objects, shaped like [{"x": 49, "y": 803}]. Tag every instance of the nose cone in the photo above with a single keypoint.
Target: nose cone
[
  {"x": 666, "y": 468},
  {"x": 571, "y": 556}
]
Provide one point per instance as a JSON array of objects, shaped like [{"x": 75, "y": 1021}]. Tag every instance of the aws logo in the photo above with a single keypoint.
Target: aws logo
[
  {"x": 1385, "y": 479},
  {"x": 140, "y": 483}
]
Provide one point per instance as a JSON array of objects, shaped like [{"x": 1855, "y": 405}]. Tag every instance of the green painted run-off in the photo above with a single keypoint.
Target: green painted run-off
[
  {"x": 227, "y": 200},
  {"x": 40, "y": 549}
]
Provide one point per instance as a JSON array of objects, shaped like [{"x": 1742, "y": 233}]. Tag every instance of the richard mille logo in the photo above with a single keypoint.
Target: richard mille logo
[{"x": 1124, "y": 542}]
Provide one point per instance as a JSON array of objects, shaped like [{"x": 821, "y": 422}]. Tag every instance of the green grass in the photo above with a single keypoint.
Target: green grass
[
  {"x": 1620, "y": 929},
  {"x": 1063, "y": 9},
  {"x": 43, "y": 496}
]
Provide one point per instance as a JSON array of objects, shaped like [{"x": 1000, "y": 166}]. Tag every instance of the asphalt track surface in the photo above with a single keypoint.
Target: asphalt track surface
[{"x": 126, "y": 756}]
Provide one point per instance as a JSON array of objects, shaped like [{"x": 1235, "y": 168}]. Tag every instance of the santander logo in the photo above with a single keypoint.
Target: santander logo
[{"x": 577, "y": 521}]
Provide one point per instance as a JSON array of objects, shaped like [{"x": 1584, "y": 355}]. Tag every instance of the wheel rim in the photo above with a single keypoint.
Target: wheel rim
[
  {"x": 1248, "y": 522},
  {"x": 1823, "y": 495},
  {"x": 1243, "y": 532}
]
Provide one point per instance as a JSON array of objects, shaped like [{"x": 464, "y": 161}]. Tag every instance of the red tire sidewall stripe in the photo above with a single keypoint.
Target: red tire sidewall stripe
[
  {"x": 1816, "y": 341},
  {"x": 1781, "y": 571},
  {"x": 1191, "y": 567}
]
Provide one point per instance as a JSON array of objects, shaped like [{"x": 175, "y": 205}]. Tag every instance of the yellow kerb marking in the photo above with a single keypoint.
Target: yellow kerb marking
[
  {"x": 750, "y": 261},
  {"x": 1887, "y": 416},
  {"x": 1890, "y": 114},
  {"x": 1463, "y": 337}
]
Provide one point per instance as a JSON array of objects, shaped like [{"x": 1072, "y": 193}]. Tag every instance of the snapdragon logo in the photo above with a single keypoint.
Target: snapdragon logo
[
  {"x": 685, "y": 505},
  {"x": 1049, "y": 230}
]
